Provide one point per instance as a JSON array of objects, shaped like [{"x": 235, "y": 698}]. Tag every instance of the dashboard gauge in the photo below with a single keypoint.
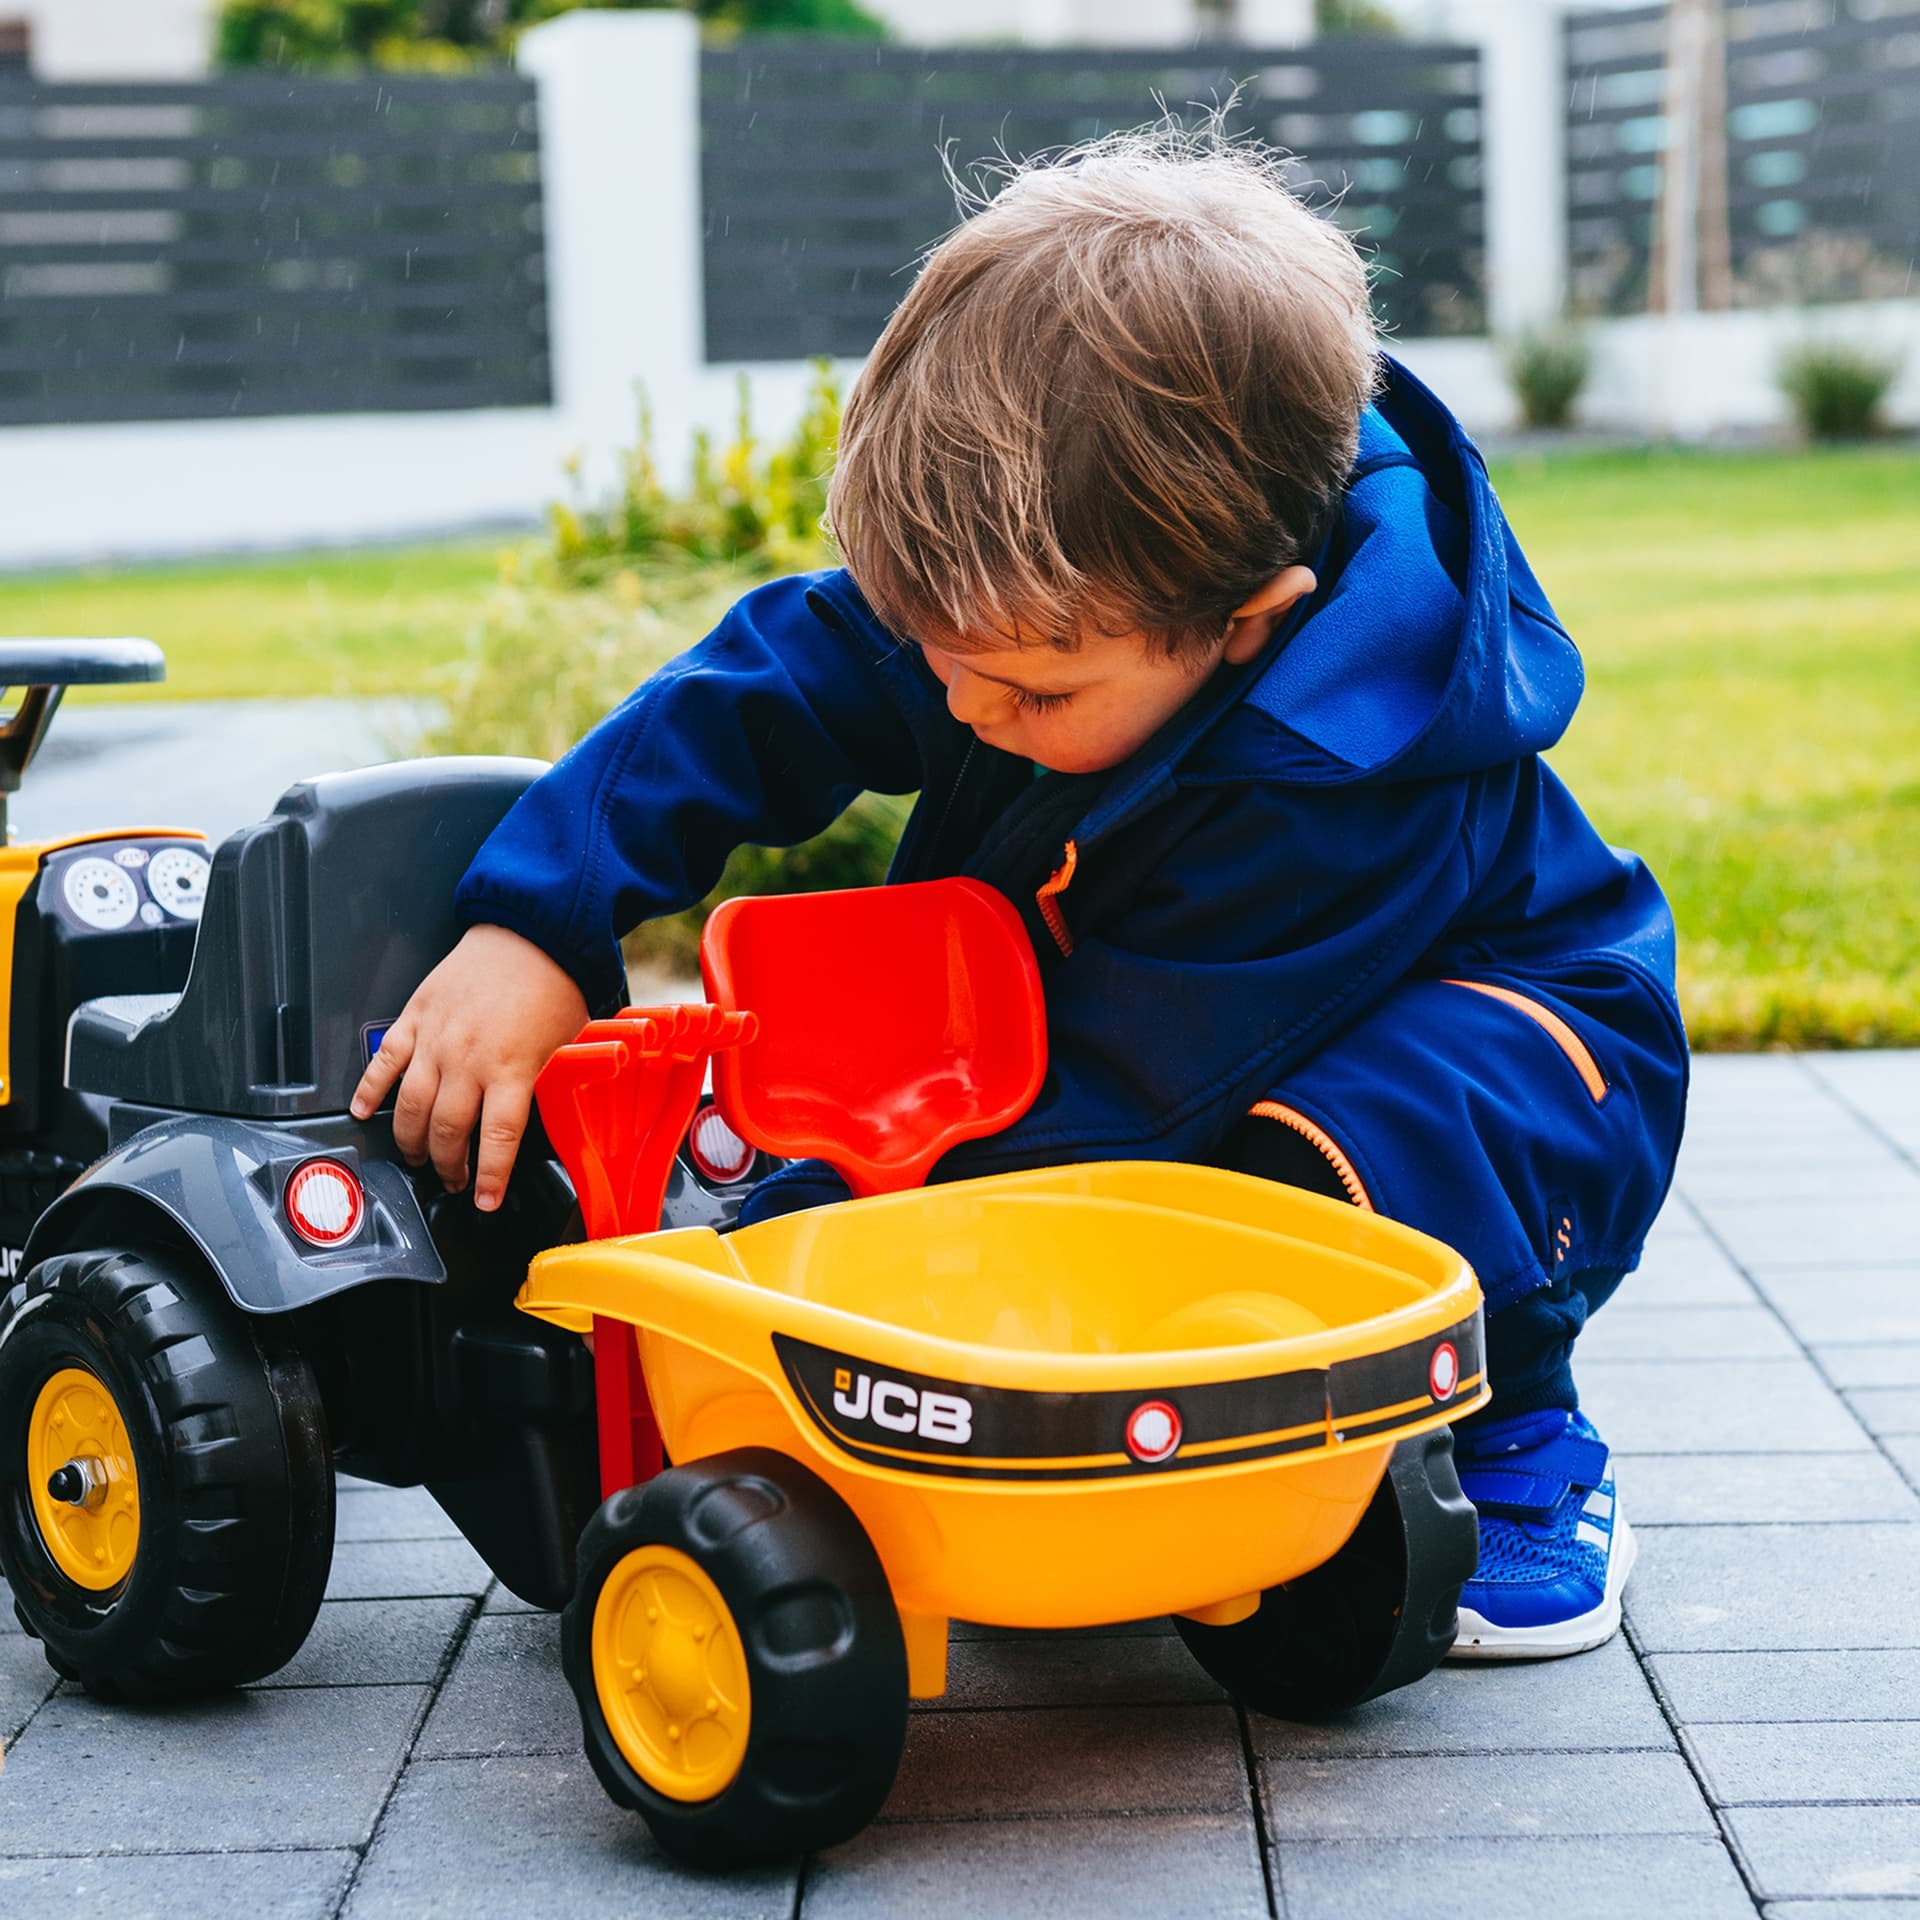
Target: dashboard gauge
[
  {"x": 100, "y": 894},
  {"x": 177, "y": 878}
]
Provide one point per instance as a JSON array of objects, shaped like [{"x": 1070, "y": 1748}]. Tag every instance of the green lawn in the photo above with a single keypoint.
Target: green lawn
[
  {"x": 372, "y": 621},
  {"x": 1751, "y": 625}
]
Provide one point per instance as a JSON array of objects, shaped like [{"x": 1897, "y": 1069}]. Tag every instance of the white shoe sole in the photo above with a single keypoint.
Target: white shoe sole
[{"x": 1481, "y": 1639}]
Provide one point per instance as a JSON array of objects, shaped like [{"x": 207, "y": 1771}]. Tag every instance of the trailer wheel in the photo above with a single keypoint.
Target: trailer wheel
[
  {"x": 1380, "y": 1614},
  {"x": 737, "y": 1660},
  {"x": 166, "y": 1492}
]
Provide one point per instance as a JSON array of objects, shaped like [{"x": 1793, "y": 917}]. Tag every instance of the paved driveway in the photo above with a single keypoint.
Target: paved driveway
[
  {"x": 210, "y": 764},
  {"x": 1754, "y": 1742}
]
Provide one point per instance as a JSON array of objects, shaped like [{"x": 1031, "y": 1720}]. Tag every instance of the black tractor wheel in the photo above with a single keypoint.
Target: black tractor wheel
[
  {"x": 738, "y": 1663},
  {"x": 1380, "y": 1614},
  {"x": 166, "y": 1491}
]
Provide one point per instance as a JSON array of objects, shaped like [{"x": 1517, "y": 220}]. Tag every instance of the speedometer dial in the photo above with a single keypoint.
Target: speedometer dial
[
  {"x": 177, "y": 878},
  {"x": 101, "y": 894}
]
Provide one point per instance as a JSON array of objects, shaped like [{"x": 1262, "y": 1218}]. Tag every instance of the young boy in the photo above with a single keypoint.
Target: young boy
[{"x": 1196, "y": 626}]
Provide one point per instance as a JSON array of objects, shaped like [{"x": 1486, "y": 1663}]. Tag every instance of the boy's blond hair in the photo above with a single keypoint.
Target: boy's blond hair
[{"x": 1121, "y": 397}]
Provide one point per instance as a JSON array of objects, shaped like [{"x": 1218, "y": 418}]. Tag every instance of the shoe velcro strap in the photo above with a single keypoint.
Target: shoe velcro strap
[{"x": 1538, "y": 1478}]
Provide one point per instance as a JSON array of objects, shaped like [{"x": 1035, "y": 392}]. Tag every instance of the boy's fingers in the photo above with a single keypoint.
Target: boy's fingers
[
  {"x": 503, "y": 1119},
  {"x": 456, "y": 1106},
  {"x": 414, "y": 1109},
  {"x": 388, "y": 1063}
]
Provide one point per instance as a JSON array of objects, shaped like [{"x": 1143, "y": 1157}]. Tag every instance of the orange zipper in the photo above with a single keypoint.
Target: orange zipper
[
  {"x": 1048, "y": 900},
  {"x": 1338, "y": 1161},
  {"x": 1563, "y": 1035}
]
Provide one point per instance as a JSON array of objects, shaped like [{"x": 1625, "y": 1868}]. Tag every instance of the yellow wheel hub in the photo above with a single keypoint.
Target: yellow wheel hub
[
  {"x": 80, "y": 1474},
  {"x": 671, "y": 1674}
]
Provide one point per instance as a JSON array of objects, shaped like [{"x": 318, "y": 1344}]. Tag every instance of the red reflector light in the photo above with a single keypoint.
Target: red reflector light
[
  {"x": 1153, "y": 1431},
  {"x": 719, "y": 1152},
  {"x": 1443, "y": 1371},
  {"x": 325, "y": 1203}
]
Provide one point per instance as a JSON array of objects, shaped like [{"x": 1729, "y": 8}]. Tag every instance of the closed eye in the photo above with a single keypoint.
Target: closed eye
[{"x": 1029, "y": 702}]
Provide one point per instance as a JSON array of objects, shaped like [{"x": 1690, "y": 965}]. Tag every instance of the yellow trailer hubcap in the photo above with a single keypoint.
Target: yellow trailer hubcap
[
  {"x": 671, "y": 1673},
  {"x": 91, "y": 1526}
]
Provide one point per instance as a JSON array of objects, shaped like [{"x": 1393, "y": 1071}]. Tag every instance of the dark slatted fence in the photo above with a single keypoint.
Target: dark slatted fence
[
  {"x": 1823, "y": 149},
  {"x": 822, "y": 179},
  {"x": 264, "y": 245}
]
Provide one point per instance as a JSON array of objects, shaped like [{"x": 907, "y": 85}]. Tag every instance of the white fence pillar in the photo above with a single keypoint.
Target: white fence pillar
[
  {"x": 620, "y": 162},
  {"x": 1523, "y": 145}
]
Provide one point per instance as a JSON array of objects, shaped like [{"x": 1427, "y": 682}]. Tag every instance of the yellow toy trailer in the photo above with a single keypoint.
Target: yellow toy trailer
[{"x": 1055, "y": 1398}]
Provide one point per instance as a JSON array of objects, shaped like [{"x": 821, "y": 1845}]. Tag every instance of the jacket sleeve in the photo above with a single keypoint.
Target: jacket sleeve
[
  {"x": 1278, "y": 919},
  {"x": 762, "y": 733}
]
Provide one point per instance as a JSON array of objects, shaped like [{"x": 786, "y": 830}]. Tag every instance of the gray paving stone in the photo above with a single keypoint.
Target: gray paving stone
[
  {"x": 506, "y": 1693},
  {"x": 1893, "y": 1363},
  {"x": 1860, "y": 1303},
  {"x": 8, "y": 1623},
  {"x": 1721, "y": 1406},
  {"x": 391, "y": 1513},
  {"x": 164, "y": 1886},
  {"x": 1073, "y": 1670},
  {"x": 25, "y": 1681},
  {"x": 1687, "y": 1333},
  {"x": 1857, "y": 1852},
  {"x": 1070, "y": 1760},
  {"x": 1881, "y": 1080},
  {"x": 1864, "y": 1684},
  {"x": 302, "y": 1767},
  {"x": 1203, "y": 1866},
  {"x": 1891, "y": 1412},
  {"x": 1465, "y": 1796},
  {"x": 1844, "y": 1230},
  {"x": 501, "y": 1600},
  {"x": 1771, "y": 1179},
  {"x": 1809, "y": 1761},
  {"x": 1681, "y": 1270},
  {"x": 406, "y": 1570},
  {"x": 1653, "y": 1877},
  {"x": 1697, "y": 1589},
  {"x": 363, "y": 1643},
  {"x": 1825, "y": 1136},
  {"x": 1601, "y": 1700},
  {"x": 525, "y": 1839},
  {"x": 1750, "y": 1489},
  {"x": 1883, "y": 1909},
  {"x": 1905, "y": 1454}
]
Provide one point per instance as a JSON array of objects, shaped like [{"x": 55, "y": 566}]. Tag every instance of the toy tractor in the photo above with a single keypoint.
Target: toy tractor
[{"x": 220, "y": 1287}]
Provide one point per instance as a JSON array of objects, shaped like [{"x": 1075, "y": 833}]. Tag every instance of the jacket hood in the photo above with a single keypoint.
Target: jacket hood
[{"x": 1428, "y": 648}]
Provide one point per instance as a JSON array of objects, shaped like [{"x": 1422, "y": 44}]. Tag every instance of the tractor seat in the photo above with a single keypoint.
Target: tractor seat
[{"x": 320, "y": 921}]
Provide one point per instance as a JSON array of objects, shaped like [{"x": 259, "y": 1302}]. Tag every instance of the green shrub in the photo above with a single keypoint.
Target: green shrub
[
  {"x": 1837, "y": 390},
  {"x": 760, "y": 512},
  {"x": 1546, "y": 369},
  {"x": 577, "y": 623}
]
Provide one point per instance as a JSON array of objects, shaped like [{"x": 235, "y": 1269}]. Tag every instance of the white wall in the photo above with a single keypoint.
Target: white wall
[
  {"x": 167, "y": 488},
  {"x": 117, "y": 39}
]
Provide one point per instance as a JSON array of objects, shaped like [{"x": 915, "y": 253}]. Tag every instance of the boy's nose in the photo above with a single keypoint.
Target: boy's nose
[{"x": 969, "y": 698}]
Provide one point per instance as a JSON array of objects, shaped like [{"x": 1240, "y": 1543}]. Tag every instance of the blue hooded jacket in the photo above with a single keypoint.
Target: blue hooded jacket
[{"x": 1339, "y": 884}]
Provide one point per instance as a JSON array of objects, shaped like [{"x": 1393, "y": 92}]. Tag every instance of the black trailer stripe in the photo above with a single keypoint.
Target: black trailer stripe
[{"x": 910, "y": 1422}]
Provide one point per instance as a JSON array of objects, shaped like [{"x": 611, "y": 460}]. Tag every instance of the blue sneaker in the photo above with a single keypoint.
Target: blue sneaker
[{"x": 1555, "y": 1551}]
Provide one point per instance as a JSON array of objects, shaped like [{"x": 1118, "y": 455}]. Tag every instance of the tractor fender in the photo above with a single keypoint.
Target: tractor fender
[{"x": 221, "y": 1182}]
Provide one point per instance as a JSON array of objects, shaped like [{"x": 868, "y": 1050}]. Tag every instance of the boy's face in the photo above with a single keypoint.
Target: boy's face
[{"x": 1084, "y": 709}]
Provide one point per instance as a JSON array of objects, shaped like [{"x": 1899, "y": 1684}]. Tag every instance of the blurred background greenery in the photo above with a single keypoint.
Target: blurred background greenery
[{"x": 1750, "y": 622}]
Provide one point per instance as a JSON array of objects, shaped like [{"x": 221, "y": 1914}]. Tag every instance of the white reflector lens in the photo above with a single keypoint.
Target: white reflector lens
[
  {"x": 325, "y": 1203},
  {"x": 717, "y": 1150}
]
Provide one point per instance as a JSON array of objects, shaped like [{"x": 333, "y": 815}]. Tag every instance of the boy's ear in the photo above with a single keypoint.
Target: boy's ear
[{"x": 1251, "y": 624}]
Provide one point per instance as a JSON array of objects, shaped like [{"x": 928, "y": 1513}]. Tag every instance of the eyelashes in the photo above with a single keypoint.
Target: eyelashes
[{"x": 1038, "y": 702}]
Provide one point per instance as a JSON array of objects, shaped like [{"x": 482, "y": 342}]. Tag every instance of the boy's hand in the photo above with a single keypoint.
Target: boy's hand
[{"x": 470, "y": 1042}]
